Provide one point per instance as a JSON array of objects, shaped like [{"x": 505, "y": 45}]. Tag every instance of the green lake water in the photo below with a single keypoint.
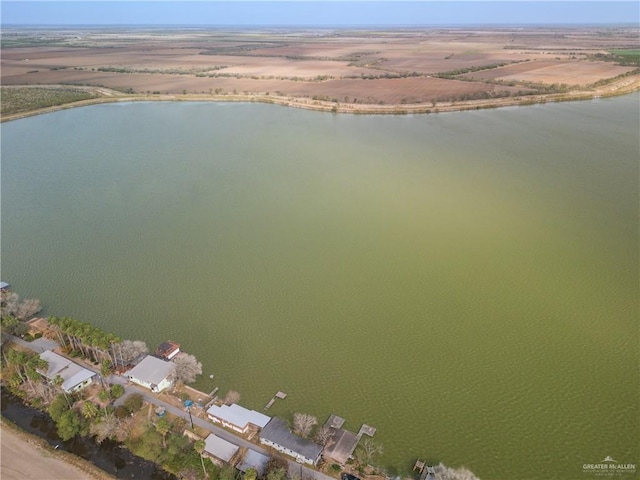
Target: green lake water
[{"x": 467, "y": 283}]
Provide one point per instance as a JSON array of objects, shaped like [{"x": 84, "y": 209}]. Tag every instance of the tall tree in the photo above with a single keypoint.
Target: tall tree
[
  {"x": 68, "y": 425},
  {"x": 130, "y": 350},
  {"x": 199, "y": 446},
  {"x": 368, "y": 449},
  {"x": 58, "y": 406},
  {"x": 324, "y": 435},
  {"x": 303, "y": 423},
  {"x": 11, "y": 306},
  {"x": 111, "y": 427},
  {"x": 90, "y": 410},
  {"x": 163, "y": 427},
  {"x": 187, "y": 368}
]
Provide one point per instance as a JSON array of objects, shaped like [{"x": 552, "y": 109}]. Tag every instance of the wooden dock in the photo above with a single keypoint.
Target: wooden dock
[
  {"x": 334, "y": 421},
  {"x": 280, "y": 395},
  {"x": 366, "y": 430}
]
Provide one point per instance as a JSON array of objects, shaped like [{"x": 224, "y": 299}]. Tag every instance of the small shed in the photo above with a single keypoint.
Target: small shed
[{"x": 167, "y": 350}]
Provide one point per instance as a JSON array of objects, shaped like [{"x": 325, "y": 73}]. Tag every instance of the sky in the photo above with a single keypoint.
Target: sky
[{"x": 317, "y": 13}]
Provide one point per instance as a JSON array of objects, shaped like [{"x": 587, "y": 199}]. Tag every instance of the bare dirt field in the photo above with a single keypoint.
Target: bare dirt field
[
  {"x": 359, "y": 67},
  {"x": 23, "y": 457},
  {"x": 554, "y": 71}
]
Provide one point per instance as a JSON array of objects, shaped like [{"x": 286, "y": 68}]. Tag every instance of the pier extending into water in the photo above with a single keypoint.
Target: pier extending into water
[{"x": 280, "y": 395}]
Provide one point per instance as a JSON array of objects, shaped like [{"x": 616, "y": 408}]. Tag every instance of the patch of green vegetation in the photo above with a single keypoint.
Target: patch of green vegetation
[
  {"x": 452, "y": 74},
  {"x": 24, "y": 99},
  {"x": 630, "y": 58}
]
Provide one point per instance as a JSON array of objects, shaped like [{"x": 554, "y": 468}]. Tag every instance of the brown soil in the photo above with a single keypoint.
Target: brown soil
[
  {"x": 343, "y": 71},
  {"x": 27, "y": 457}
]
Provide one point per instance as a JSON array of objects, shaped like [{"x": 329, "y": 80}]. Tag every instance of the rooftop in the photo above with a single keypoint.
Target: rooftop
[
  {"x": 152, "y": 370},
  {"x": 341, "y": 446},
  {"x": 220, "y": 448},
  {"x": 71, "y": 373},
  {"x": 254, "y": 460},
  {"x": 277, "y": 432},
  {"x": 167, "y": 348},
  {"x": 239, "y": 416}
]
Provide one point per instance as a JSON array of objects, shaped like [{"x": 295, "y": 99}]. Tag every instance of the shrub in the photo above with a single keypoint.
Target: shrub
[
  {"x": 133, "y": 402},
  {"x": 117, "y": 391}
]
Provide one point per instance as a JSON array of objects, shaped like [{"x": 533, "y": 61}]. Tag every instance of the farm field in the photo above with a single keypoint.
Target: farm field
[{"x": 349, "y": 67}]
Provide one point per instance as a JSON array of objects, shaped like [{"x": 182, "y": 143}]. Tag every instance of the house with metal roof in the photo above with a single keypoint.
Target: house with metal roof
[
  {"x": 4, "y": 286},
  {"x": 254, "y": 460},
  {"x": 219, "y": 450},
  {"x": 237, "y": 418},
  {"x": 74, "y": 377},
  {"x": 276, "y": 434},
  {"x": 153, "y": 373}
]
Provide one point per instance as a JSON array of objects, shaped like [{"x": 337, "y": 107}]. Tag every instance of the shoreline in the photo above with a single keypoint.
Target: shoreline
[{"x": 620, "y": 87}]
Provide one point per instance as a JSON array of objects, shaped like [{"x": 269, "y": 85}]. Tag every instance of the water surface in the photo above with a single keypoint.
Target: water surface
[{"x": 467, "y": 283}]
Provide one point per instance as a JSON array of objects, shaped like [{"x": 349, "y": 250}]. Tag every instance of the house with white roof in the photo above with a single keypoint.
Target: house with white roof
[
  {"x": 153, "y": 373},
  {"x": 74, "y": 377},
  {"x": 237, "y": 418},
  {"x": 220, "y": 451}
]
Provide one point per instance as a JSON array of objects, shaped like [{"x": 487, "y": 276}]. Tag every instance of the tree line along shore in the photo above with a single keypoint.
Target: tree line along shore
[{"x": 83, "y": 377}]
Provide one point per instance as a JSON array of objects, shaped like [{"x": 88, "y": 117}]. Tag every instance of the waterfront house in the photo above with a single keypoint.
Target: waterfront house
[
  {"x": 220, "y": 451},
  {"x": 276, "y": 434},
  {"x": 153, "y": 373},
  {"x": 341, "y": 447},
  {"x": 167, "y": 350},
  {"x": 4, "y": 286},
  {"x": 237, "y": 418},
  {"x": 74, "y": 377}
]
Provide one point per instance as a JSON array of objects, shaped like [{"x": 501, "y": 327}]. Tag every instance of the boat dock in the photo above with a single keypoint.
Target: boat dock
[
  {"x": 334, "y": 421},
  {"x": 426, "y": 472},
  {"x": 280, "y": 395},
  {"x": 366, "y": 430}
]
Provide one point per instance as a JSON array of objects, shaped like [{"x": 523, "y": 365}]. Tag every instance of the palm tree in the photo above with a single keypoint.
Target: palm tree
[
  {"x": 55, "y": 322},
  {"x": 163, "y": 427},
  {"x": 89, "y": 410},
  {"x": 199, "y": 447}
]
